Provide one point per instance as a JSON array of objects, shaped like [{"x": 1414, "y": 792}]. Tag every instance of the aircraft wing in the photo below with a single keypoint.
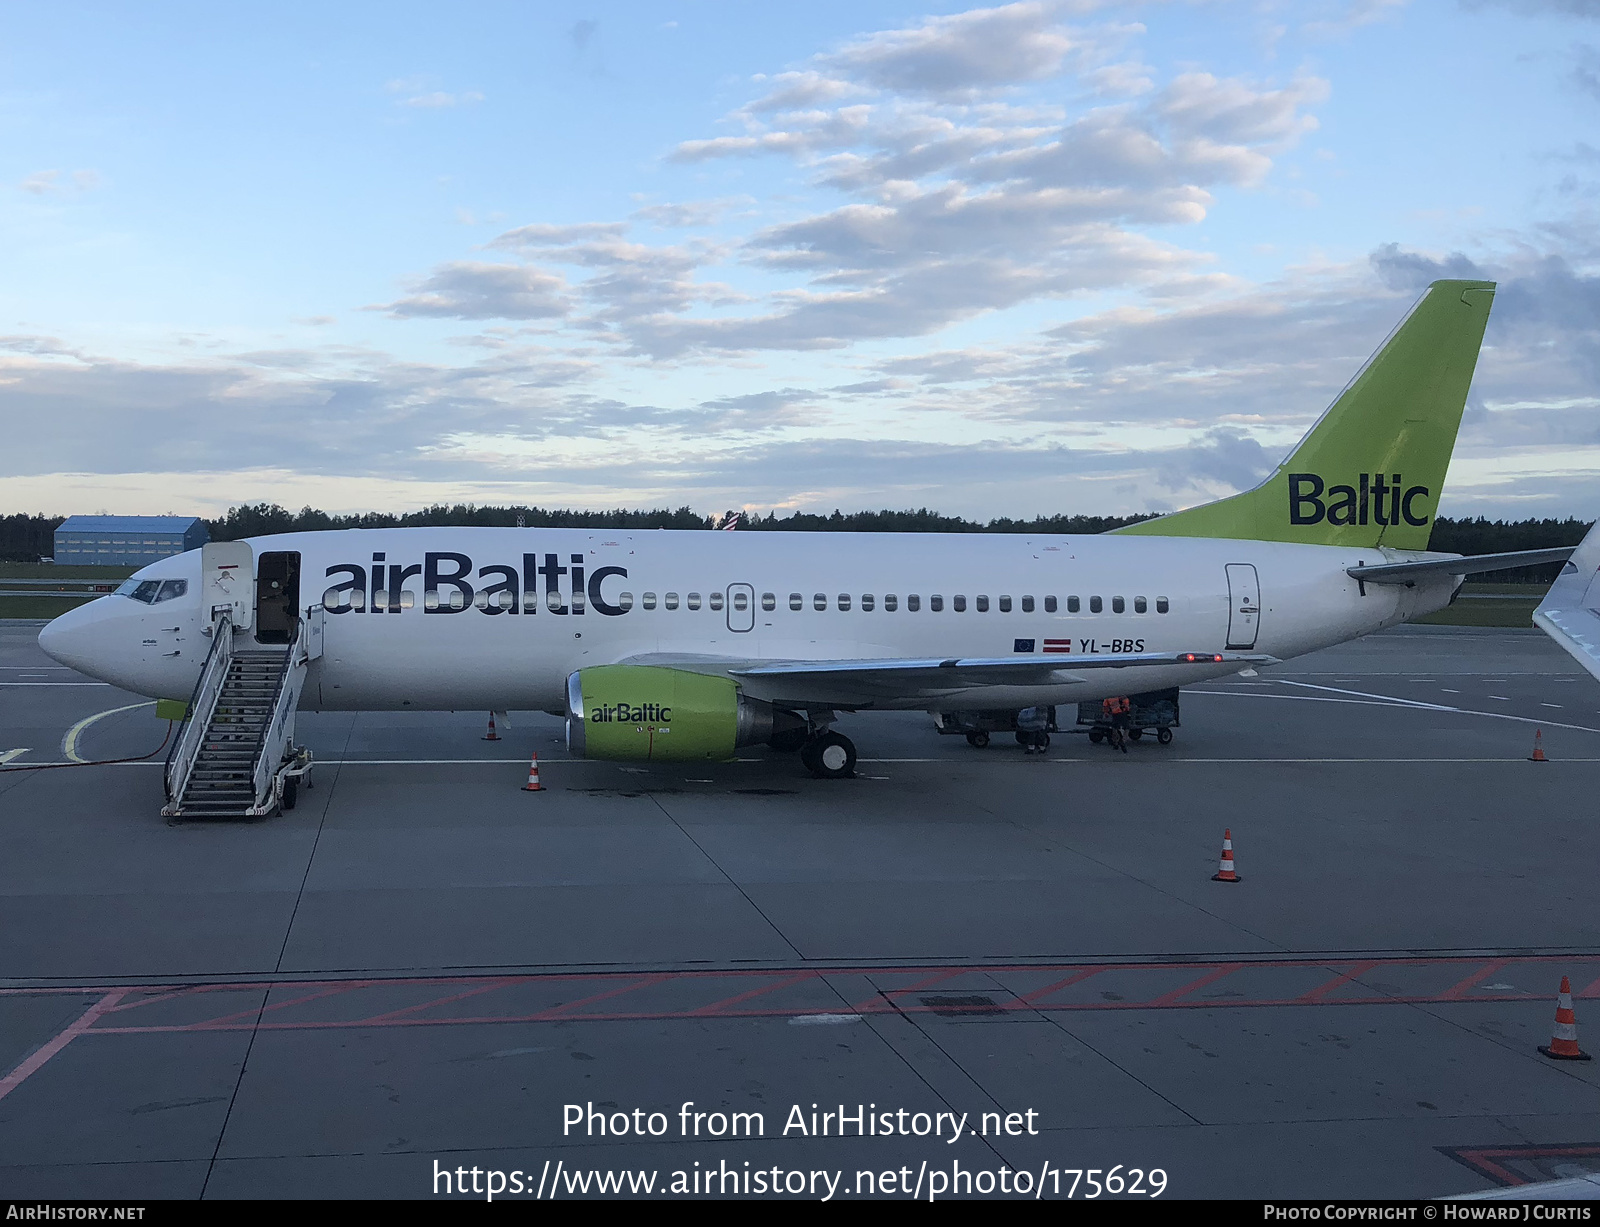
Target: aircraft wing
[
  {"x": 1570, "y": 611},
  {"x": 1407, "y": 572},
  {"x": 852, "y": 683}
]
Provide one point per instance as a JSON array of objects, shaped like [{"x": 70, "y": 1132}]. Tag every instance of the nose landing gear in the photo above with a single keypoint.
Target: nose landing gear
[{"x": 829, "y": 756}]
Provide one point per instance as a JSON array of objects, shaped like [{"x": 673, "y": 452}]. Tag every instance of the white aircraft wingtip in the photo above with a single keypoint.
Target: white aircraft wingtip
[{"x": 1570, "y": 611}]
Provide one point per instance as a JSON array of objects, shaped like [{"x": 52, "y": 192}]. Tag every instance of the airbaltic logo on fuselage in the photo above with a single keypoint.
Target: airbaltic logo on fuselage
[
  {"x": 623, "y": 713},
  {"x": 1376, "y": 499},
  {"x": 450, "y": 586}
]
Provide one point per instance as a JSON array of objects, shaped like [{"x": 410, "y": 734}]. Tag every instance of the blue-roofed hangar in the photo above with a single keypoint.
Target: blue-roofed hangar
[{"x": 126, "y": 541}]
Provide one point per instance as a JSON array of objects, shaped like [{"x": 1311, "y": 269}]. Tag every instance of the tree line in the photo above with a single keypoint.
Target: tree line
[{"x": 26, "y": 538}]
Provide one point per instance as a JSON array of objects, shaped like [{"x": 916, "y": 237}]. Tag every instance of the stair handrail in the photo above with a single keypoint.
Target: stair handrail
[
  {"x": 269, "y": 755},
  {"x": 202, "y": 704}
]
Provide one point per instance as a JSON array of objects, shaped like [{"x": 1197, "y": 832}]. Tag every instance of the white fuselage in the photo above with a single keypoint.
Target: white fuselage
[{"x": 390, "y": 642}]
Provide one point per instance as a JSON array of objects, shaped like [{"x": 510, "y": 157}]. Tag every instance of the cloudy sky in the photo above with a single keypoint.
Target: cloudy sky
[{"x": 1037, "y": 258}]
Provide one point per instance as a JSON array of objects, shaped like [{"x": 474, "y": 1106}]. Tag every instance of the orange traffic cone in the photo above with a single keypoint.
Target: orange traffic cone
[
  {"x": 533, "y": 784},
  {"x": 491, "y": 735},
  {"x": 1538, "y": 748},
  {"x": 1564, "y": 1036},
  {"x": 1225, "y": 871}
]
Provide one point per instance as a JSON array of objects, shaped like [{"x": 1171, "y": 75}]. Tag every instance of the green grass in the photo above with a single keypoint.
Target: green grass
[
  {"x": 38, "y": 606},
  {"x": 40, "y": 570},
  {"x": 1468, "y": 612},
  {"x": 50, "y": 606},
  {"x": 1482, "y": 613}
]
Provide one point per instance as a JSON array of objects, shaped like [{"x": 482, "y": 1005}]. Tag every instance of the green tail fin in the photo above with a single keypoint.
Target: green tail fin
[{"x": 1370, "y": 471}]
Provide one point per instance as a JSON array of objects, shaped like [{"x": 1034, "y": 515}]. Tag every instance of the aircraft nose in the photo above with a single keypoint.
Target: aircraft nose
[{"x": 70, "y": 639}]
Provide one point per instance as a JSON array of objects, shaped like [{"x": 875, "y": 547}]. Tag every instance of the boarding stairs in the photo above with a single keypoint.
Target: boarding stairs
[{"x": 235, "y": 755}]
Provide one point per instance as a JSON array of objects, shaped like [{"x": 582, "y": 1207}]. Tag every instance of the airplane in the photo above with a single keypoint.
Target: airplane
[{"x": 676, "y": 646}]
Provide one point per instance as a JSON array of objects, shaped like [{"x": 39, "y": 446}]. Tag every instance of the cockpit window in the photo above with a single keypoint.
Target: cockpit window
[
  {"x": 141, "y": 590},
  {"x": 153, "y": 591}
]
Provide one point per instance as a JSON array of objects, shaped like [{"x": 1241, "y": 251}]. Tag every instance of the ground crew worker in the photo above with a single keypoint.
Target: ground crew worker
[
  {"x": 1033, "y": 725},
  {"x": 1115, "y": 712}
]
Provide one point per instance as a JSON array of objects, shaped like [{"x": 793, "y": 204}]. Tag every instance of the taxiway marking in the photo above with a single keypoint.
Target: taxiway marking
[
  {"x": 1389, "y": 700},
  {"x": 7, "y": 755},
  {"x": 69, "y": 743}
]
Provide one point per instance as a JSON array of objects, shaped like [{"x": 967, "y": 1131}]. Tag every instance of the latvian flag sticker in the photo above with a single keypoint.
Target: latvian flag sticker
[{"x": 1058, "y": 645}]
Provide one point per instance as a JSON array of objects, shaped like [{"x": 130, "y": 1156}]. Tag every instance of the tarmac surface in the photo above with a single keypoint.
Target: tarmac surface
[{"x": 421, "y": 965}]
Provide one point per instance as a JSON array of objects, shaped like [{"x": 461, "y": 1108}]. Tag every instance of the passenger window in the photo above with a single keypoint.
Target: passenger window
[
  {"x": 1072, "y": 604},
  {"x": 890, "y": 602},
  {"x": 913, "y": 602},
  {"x": 172, "y": 588},
  {"x": 624, "y": 601},
  {"x": 866, "y": 602},
  {"x": 1005, "y": 604},
  {"x": 936, "y": 603},
  {"x": 1118, "y": 605},
  {"x": 716, "y": 600},
  {"x": 1161, "y": 604},
  {"x": 959, "y": 604},
  {"x": 672, "y": 600},
  {"x": 769, "y": 602},
  {"x": 1140, "y": 605},
  {"x": 796, "y": 601},
  {"x": 983, "y": 604},
  {"x": 649, "y": 601},
  {"x": 819, "y": 601},
  {"x": 693, "y": 600},
  {"x": 1096, "y": 604},
  {"x": 844, "y": 600},
  {"x": 1027, "y": 604},
  {"x": 1049, "y": 604},
  {"x": 741, "y": 602}
]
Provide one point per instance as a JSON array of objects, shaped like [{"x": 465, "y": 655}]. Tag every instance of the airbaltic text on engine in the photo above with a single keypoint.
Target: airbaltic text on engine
[{"x": 1374, "y": 495}]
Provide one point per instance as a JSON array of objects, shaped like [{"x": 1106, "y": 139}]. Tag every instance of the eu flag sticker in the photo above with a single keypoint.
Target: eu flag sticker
[{"x": 1022, "y": 645}]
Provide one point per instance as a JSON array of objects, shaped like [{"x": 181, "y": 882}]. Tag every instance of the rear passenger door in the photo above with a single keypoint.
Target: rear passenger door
[{"x": 1244, "y": 605}]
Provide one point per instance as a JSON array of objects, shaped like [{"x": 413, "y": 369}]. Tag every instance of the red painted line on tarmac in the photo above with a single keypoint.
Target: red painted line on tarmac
[
  {"x": 221, "y": 1022},
  {"x": 1212, "y": 977},
  {"x": 1315, "y": 996},
  {"x": 560, "y": 1011},
  {"x": 379, "y": 1020},
  {"x": 765, "y": 981},
  {"x": 1458, "y": 991},
  {"x": 1029, "y": 998},
  {"x": 717, "y": 1007},
  {"x": 41, "y": 1056}
]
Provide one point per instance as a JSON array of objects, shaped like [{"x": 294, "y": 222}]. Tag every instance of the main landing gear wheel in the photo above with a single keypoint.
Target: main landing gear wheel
[
  {"x": 831, "y": 756},
  {"x": 1164, "y": 736},
  {"x": 978, "y": 740}
]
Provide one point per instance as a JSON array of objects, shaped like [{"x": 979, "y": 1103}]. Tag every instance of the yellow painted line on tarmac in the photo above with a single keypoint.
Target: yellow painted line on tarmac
[
  {"x": 7, "y": 755},
  {"x": 69, "y": 743}
]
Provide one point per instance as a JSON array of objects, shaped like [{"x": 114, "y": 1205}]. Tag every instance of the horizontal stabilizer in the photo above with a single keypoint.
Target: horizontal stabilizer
[
  {"x": 1570, "y": 611},
  {"x": 1406, "y": 572}
]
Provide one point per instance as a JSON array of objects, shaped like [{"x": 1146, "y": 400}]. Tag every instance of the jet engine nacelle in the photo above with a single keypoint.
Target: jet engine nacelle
[{"x": 638, "y": 712}]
